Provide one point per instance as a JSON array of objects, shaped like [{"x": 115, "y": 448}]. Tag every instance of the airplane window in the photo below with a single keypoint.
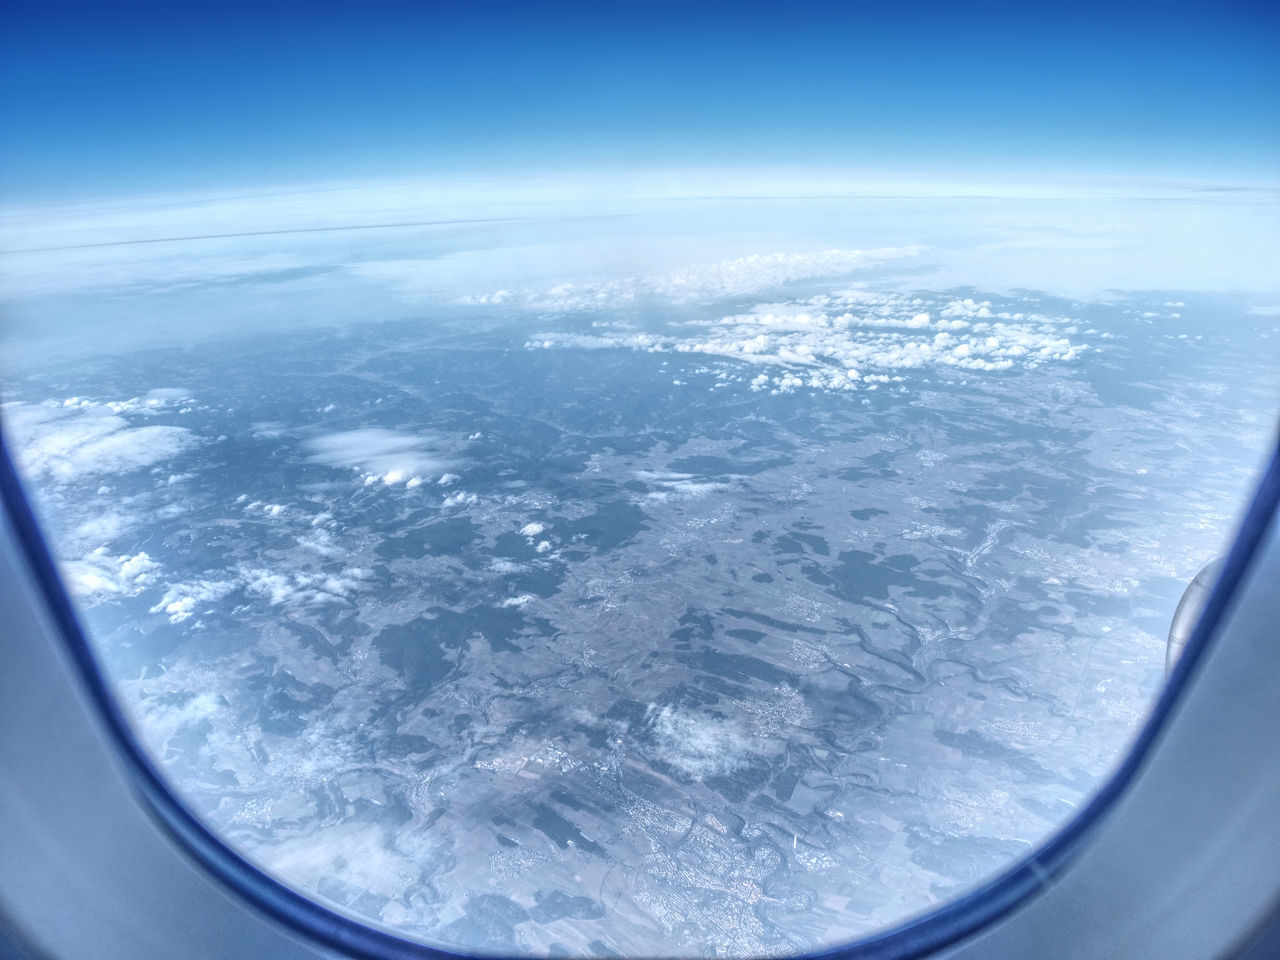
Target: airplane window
[{"x": 628, "y": 542}]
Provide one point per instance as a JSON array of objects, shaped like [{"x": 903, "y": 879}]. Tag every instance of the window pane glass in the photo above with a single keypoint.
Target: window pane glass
[{"x": 719, "y": 562}]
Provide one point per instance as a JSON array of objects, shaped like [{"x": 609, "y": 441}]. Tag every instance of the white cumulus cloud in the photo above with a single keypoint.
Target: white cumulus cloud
[
  {"x": 835, "y": 342},
  {"x": 303, "y": 588},
  {"x": 100, "y": 575},
  {"x": 180, "y": 601}
]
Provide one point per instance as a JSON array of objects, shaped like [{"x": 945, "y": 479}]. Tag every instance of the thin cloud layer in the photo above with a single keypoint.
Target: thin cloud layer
[
  {"x": 78, "y": 439},
  {"x": 697, "y": 743},
  {"x": 384, "y": 456},
  {"x": 702, "y": 283}
]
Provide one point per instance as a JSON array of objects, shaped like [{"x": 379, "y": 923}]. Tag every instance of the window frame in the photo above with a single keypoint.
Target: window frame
[{"x": 945, "y": 927}]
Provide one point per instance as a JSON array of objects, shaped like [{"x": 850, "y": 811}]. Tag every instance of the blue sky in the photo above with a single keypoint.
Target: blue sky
[{"x": 122, "y": 98}]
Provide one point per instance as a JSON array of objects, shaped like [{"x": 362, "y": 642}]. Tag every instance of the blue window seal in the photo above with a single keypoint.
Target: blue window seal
[{"x": 920, "y": 937}]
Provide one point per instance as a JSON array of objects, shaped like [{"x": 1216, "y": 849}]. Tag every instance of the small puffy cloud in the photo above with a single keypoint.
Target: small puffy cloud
[
  {"x": 532, "y": 529},
  {"x": 697, "y": 743},
  {"x": 393, "y": 478},
  {"x": 269, "y": 430},
  {"x": 320, "y": 542},
  {"x": 288, "y": 588},
  {"x": 967, "y": 308},
  {"x": 100, "y": 576},
  {"x": 302, "y": 588},
  {"x": 272, "y": 510},
  {"x": 503, "y": 565},
  {"x": 179, "y": 602}
]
